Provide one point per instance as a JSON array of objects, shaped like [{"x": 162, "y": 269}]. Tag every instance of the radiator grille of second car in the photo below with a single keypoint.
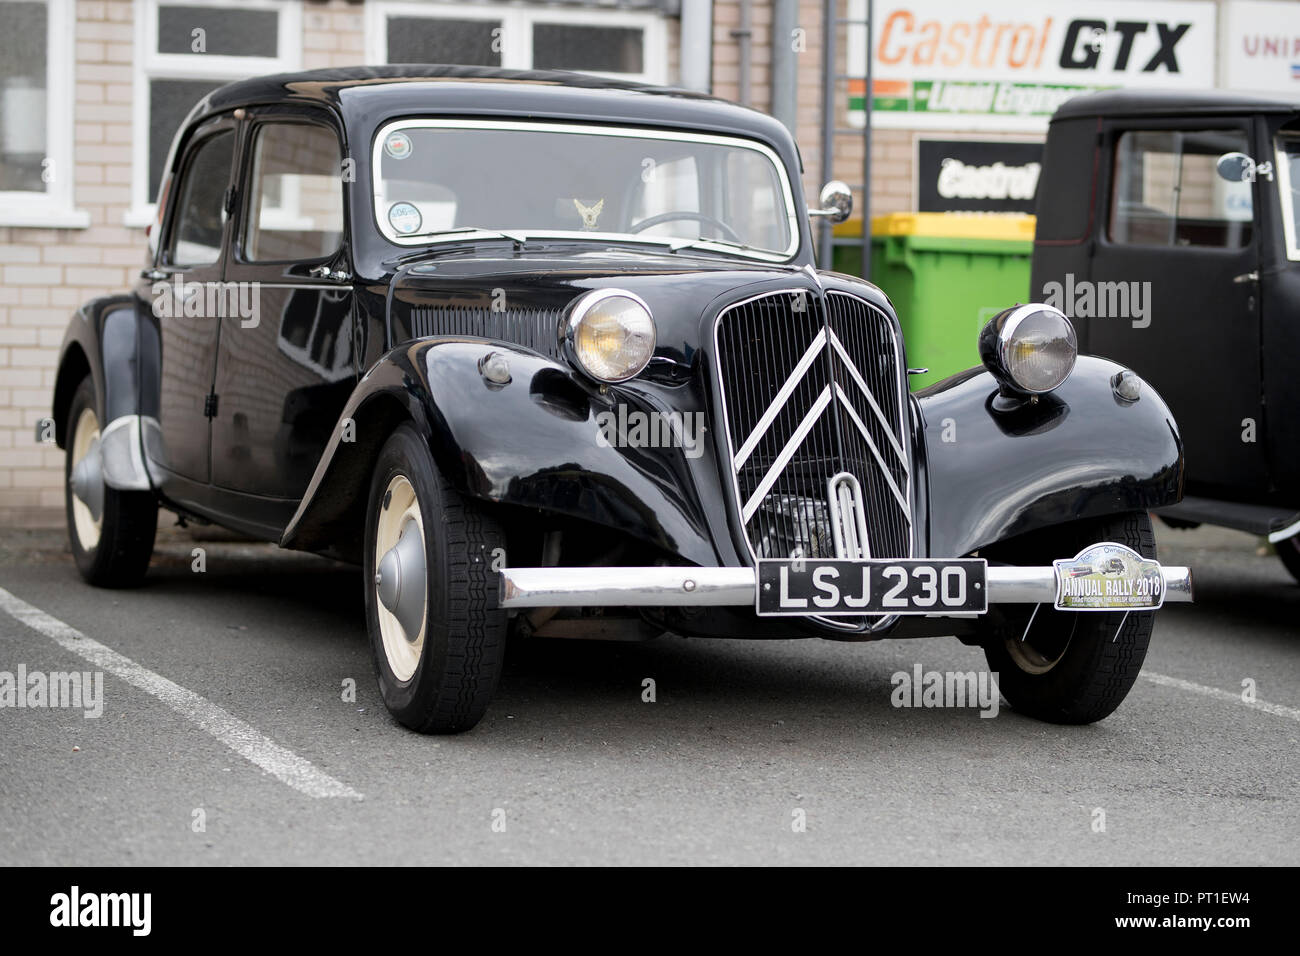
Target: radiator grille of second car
[{"x": 814, "y": 386}]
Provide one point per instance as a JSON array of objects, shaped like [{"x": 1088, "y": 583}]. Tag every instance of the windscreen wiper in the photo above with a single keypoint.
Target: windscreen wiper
[{"x": 517, "y": 238}]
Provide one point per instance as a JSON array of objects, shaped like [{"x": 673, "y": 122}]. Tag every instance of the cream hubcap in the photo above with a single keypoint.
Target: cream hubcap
[
  {"x": 401, "y": 577},
  {"x": 1039, "y": 657},
  {"x": 85, "y": 439}
]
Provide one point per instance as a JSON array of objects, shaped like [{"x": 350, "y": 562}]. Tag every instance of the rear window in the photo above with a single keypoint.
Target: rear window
[{"x": 1165, "y": 191}]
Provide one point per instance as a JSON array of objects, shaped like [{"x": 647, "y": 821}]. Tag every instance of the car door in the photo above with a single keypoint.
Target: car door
[
  {"x": 182, "y": 289},
  {"x": 285, "y": 364},
  {"x": 1174, "y": 290}
]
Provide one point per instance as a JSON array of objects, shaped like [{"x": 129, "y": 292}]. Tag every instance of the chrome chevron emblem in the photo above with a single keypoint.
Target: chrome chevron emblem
[{"x": 833, "y": 395}]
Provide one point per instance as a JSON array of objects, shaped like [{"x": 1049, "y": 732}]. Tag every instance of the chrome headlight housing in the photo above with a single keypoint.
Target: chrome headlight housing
[
  {"x": 610, "y": 335},
  {"x": 1030, "y": 349}
]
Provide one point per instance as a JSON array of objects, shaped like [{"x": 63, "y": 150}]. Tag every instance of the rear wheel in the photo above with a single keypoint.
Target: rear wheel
[
  {"x": 437, "y": 633},
  {"x": 111, "y": 532},
  {"x": 1069, "y": 667}
]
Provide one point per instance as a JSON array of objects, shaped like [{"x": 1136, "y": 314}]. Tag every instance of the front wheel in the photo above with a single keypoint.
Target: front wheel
[
  {"x": 437, "y": 632},
  {"x": 1069, "y": 667}
]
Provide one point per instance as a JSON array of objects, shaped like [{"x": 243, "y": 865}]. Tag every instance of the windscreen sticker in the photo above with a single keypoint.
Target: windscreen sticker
[
  {"x": 397, "y": 145},
  {"x": 404, "y": 218},
  {"x": 589, "y": 213}
]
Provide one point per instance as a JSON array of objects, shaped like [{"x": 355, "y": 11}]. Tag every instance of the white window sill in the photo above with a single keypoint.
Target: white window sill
[
  {"x": 44, "y": 218},
  {"x": 138, "y": 217}
]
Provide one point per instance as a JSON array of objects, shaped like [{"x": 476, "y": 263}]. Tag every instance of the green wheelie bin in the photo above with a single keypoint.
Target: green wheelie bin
[{"x": 947, "y": 274}]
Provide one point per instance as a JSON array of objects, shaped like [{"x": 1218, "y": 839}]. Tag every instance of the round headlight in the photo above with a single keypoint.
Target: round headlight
[
  {"x": 610, "y": 335},
  {"x": 1030, "y": 349}
]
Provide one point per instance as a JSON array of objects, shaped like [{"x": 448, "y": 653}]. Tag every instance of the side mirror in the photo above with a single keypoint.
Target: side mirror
[
  {"x": 836, "y": 202},
  {"x": 1235, "y": 167}
]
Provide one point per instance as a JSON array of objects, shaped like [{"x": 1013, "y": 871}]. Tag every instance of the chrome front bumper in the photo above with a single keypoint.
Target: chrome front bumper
[{"x": 714, "y": 587}]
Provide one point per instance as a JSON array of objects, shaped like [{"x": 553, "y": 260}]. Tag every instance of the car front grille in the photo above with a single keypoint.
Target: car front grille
[{"x": 813, "y": 386}]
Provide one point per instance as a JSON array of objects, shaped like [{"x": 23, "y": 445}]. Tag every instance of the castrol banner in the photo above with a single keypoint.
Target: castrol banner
[{"x": 1008, "y": 64}]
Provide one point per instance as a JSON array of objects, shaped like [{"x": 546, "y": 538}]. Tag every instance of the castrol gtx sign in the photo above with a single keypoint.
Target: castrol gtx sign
[{"x": 1008, "y": 64}]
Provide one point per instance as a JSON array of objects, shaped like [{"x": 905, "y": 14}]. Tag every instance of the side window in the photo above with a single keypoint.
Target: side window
[
  {"x": 200, "y": 216},
  {"x": 295, "y": 203},
  {"x": 1165, "y": 191}
]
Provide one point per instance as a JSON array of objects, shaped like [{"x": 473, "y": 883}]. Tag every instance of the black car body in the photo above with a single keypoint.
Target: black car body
[
  {"x": 1133, "y": 198},
  {"x": 442, "y": 372}
]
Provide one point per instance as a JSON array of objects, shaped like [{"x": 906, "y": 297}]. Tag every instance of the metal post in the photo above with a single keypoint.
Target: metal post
[
  {"x": 785, "y": 76},
  {"x": 824, "y": 251},
  {"x": 867, "y": 103},
  {"x": 697, "y": 45},
  {"x": 744, "y": 37}
]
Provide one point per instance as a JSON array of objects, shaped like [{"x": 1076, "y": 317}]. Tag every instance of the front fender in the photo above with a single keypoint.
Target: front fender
[
  {"x": 534, "y": 443},
  {"x": 1078, "y": 452}
]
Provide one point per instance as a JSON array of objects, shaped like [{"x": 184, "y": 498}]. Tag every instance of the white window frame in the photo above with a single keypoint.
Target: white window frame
[
  {"x": 517, "y": 30},
  {"x": 54, "y": 208},
  {"x": 152, "y": 65}
]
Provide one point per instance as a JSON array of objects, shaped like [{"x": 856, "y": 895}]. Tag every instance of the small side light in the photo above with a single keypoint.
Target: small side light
[
  {"x": 495, "y": 368},
  {"x": 1126, "y": 385}
]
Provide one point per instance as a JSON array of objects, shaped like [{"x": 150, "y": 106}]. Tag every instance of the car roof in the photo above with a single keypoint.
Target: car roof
[
  {"x": 491, "y": 87},
  {"x": 1173, "y": 102},
  {"x": 365, "y": 96}
]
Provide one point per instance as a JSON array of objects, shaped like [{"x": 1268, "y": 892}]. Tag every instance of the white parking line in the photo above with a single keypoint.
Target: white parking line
[
  {"x": 242, "y": 738},
  {"x": 1276, "y": 710}
]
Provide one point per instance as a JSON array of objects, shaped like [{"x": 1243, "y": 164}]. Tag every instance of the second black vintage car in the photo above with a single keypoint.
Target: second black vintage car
[
  {"x": 1169, "y": 227},
  {"x": 548, "y": 356}
]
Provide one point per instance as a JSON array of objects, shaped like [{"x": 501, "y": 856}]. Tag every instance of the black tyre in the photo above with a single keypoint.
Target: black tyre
[
  {"x": 111, "y": 532},
  {"x": 437, "y": 633},
  {"x": 1289, "y": 552},
  {"x": 1069, "y": 667}
]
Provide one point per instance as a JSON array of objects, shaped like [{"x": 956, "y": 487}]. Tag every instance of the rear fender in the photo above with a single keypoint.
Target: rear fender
[{"x": 109, "y": 340}]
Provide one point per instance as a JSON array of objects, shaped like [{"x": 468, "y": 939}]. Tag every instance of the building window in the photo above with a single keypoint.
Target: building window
[
  {"x": 614, "y": 43},
  {"x": 36, "y": 89},
  {"x": 187, "y": 50}
]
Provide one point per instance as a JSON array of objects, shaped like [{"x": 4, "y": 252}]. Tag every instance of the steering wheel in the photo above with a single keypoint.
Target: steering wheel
[{"x": 728, "y": 233}]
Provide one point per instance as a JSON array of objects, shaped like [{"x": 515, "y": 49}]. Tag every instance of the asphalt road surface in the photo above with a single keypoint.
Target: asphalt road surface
[{"x": 225, "y": 737}]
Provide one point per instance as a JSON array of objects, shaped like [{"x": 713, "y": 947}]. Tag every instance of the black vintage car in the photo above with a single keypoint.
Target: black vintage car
[
  {"x": 1169, "y": 225},
  {"x": 548, "y": 356}
]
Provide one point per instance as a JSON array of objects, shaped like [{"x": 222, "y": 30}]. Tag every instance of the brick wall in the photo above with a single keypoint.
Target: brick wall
[{"x": 45, "y": 274}]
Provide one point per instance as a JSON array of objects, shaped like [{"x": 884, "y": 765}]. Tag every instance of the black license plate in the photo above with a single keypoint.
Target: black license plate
[{"x": 838, "y": 588}]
